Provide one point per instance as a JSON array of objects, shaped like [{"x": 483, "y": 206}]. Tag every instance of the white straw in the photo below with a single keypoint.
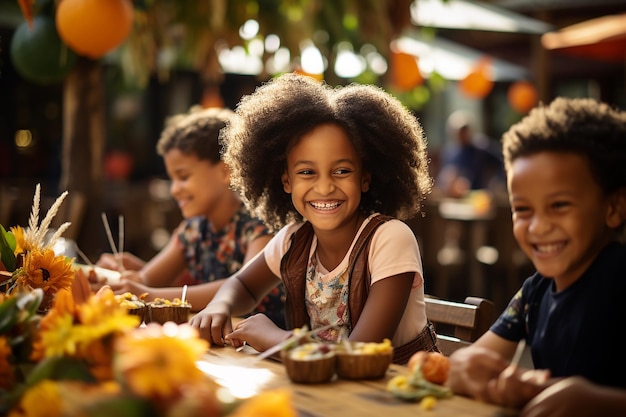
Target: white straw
[
  {"x": 121, "y": 242},
  {"x": 182, "y": 301},
  {"x": 82, "y": 254},
  {"x": 108, "y": 231}
]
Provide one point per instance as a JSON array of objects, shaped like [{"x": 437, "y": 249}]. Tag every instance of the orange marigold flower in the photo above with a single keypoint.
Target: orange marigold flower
[
  {"x": 6, "y": 371},
  {"x": 159, "y": 361},
  {"x": 273, "y": 403},
  {"x": 42, "y": 400}
]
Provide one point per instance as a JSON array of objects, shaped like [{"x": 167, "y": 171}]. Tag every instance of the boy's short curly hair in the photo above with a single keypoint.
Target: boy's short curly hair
[
  {"x": 386, "y": 135},
  {"x": 195, "y": 132},
  {"x": 578, "y": 125}
]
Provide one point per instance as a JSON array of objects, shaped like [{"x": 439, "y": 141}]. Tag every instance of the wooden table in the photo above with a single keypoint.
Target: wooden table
[{"x": 245, "y": 377}]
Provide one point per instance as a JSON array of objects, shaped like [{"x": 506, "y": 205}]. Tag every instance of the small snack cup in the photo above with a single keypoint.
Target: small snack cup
[
  {"x": 310, "y": 363},
  {"x": 359, "y": 360}
]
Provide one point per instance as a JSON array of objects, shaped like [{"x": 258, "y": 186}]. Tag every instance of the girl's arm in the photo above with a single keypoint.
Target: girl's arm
[
  {"x": 255, "y": 247},
  {"x": 238, "y": 295},
  {"x": 163, "y": 269},
  {"x": 197, "y": 295},
  {"x": 384, "y": 308}
]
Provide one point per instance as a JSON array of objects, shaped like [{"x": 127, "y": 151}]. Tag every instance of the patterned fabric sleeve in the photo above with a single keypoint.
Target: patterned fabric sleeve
[{"x": 513, "y": 322}]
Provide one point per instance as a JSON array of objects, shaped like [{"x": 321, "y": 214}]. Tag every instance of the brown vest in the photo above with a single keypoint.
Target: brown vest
[{"x": 293, "y": 270}]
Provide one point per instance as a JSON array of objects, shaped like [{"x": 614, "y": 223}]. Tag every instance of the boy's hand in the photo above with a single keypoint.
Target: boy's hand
[
  {"x": 471, "y": 369},
  {"x": 515, "y": 386}
]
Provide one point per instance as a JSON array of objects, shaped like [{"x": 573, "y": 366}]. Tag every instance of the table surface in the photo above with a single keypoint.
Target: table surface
[{"x": 245, "y": 376}]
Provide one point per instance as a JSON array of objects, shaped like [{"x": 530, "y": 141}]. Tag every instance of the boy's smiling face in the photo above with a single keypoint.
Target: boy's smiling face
[
  {"x": 561, "y": 217},
  {"x": 324, "y": 177},
  {"x": 197, "y": 184}
]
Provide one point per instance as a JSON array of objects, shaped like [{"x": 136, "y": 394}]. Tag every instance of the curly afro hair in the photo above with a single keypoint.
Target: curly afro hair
[
  {"x": 580, "y": 125},
  {"x": 195, "y": 132},
  {"x": 388, "y": 138}
]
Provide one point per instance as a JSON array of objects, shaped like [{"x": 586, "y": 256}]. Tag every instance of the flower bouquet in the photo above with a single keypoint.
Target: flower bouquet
[
  {"x": 68, "y": 356},
  {"x": 29, "y": 258}
]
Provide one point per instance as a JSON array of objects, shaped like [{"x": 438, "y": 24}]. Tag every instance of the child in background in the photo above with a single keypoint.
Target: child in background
[
  {"x": 218, "y": 234},
  {"x": 566, "y": 176},
  {"x": 328, "y": 167}
]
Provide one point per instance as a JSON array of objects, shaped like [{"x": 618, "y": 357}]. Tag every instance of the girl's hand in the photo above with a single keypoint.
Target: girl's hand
[
  {"x": 214, "y": 323},
  {"x": 514, "y": 387},
  {"x": 472, "y": 368},
  {"x": 258, "y": 331}
]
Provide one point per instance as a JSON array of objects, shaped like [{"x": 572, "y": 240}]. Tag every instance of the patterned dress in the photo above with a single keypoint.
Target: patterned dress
[{"x": 213, "y": 255}]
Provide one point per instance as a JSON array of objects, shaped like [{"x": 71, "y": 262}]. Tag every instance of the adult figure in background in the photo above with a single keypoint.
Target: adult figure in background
[{"x": 469, "y": 162}]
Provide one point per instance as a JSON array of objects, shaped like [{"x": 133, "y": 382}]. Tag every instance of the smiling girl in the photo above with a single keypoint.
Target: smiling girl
[{"x": 333, "y": 170}]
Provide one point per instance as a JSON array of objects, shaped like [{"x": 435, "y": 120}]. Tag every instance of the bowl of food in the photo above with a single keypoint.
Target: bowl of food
[
  {"x": 161, "y": 311},
  {"x": 310, "y": 363},
  {"x": 135, "y": 305},
  {"x": 363, "y": 360}
]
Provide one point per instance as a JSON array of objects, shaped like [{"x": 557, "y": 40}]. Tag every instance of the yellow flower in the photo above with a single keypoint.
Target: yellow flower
[
  {"x": 43, "y": 269},
  {"x": 6, "y": 372},
  {"x": 158, "y": 361},
  {"x": 21, "y": 245},
  {"x": 104, "y": 314},
  {"x": 42, "y": 400},
  {"x": 60, "y": 338},
  {"x": 274, "y": 403},
  {"x": 84, "y": 331}
]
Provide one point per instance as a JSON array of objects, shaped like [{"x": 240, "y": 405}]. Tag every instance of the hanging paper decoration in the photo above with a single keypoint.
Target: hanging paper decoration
[
  {"x": 405, "y": 73},
  {"x": 522, "y": 96},
  {"x": 478, "y": 83}
]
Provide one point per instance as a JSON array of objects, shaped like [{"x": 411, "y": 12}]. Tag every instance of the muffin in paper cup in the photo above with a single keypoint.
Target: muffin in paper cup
[
  {"x": 161, "y": 311},
  {"x": 135, "y": 305},
  {"x": 359, "y": 360},
  {"x": 310, "y": 363}
]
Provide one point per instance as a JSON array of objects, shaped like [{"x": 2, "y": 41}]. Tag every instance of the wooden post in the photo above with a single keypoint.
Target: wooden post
[{"x": 83, "y": 147}]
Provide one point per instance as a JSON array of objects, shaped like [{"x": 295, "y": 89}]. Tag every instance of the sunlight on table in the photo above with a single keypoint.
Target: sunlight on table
[{"x": 242, "y": 381}]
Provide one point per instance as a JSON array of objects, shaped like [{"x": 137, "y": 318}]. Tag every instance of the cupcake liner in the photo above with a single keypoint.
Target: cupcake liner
[
  {"x": 163, "y": 314},
  {"x": 309, "y": 371},
  {"x": 363, "y": 366}
]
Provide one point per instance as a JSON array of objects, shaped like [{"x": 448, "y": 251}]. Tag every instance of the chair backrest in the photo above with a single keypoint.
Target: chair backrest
[{"x": 459, "y": 324}]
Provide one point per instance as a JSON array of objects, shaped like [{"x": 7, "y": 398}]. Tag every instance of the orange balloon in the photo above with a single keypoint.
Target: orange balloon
[
  {"x": 477, "y": 84},
  {"x": 93, "y": 28},
  {"x": 405, "y": 72},
  {"x": 522, "y": 96}
]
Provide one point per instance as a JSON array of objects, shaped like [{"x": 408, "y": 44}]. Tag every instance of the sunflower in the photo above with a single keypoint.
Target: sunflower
[
  {"x": 159, "y": 361},
  {"x": 46, "y": 270}
]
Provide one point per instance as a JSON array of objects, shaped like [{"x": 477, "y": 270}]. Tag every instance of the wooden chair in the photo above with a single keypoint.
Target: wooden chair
[{"x": 459, "y": 324}]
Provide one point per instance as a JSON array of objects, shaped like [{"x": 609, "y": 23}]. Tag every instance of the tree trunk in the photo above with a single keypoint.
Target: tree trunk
[{"x": 81, "y": 165}]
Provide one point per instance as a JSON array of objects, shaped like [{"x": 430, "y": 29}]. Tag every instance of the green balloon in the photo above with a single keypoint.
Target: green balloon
[{"x": 38, "y": 54}]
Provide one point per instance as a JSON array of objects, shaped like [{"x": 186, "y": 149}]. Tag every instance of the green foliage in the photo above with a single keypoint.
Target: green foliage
[{"x": 7, "y": 249}]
